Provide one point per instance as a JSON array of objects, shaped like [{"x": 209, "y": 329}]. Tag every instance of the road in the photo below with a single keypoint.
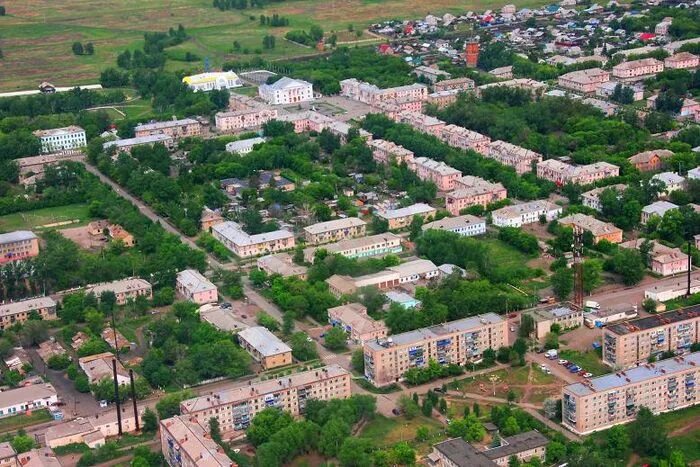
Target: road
[{"x": 635, "y": 294}]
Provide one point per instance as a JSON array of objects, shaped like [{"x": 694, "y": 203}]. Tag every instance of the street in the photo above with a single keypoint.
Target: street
[{"x": 635, "y": 294}]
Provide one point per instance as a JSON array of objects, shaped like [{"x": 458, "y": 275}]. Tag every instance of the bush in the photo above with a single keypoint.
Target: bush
[{"x": 59, "y": 362}]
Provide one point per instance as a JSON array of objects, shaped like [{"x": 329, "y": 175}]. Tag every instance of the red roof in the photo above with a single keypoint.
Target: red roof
[
  {"x": 384, "y": 48},
  {"x": 647, "y": 36}
]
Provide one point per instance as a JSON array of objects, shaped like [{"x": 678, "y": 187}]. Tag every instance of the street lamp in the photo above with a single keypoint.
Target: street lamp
[{"x": 494, "y": 379}]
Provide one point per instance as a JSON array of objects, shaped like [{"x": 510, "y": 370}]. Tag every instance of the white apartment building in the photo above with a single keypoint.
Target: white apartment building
[
  {"x": 61, "y": 139},
  {"x": 244, "y": 146},
  {"x": 286, "y": 91},
  {"x": 244, "y": 245},
  {"x": 591, "y": 198},
  {"x": 467, "y": 225},
  {"x": 526, "y": 213}
]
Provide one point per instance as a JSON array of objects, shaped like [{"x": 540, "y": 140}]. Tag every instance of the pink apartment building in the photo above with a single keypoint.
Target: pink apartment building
[
  {"x": 193, "y": 286},
  {"x": 584, "y": 81},
  {"x": 354, "y": 320},
  {"x": 422, "y": 122},
  {"x": 462, "y": 138},
  {"x": 18, "y": 245},
  {"x": 385, "y": 152},
  {"x": 442, "y": 99},
  {"x": 519, "y": 158},
  {"x": 682, "y": 60},
  {"x": 441, "y": 174},
  {"x": 472, "y": 191},
  {"x": 562, "y": 173},
  {"x": 638, "y": 68},
  {"x": 371, "y": 94},
  {"x": 174, "y": 128},
  {"x": 246, "y": 119},
  {"x": 387, "y": 108},
  {"x": 663, "y": 260},
  {"x": 455, "y": 84}
]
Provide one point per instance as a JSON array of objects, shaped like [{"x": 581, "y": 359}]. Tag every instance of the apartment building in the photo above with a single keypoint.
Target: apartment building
[
  {"x": 562, "y": 173},
  {"x": 632, "y": 342},
  {"x": 591, "y": 198},
  {"x": 607, "y": 89},
  {"x": 466, "y": 226},
  {"x": 92, "y": 431},
  {"x": 31, "y": 169},
  {"x": 650, "y": 161},
  {"x": 244, "y": 119},
  {"x": 18, "y": 312},
  {"x": 126, "y": 145},
  {"x": 535, "y": 88},
  {"x": 387, "y": 152},
  {"x": 431, "y": 73},
  {"x": 335, "y": 230},
  {"x": 682, "y": 61},
  {"x": 458, "y": 453},
  {"x": 61, "y": 139},
  {"x": 212, "y": 80},
  {"x": 565, "y": 315},
  {"x": 18, "y": 245},
  {"x": 441, "y": 174},
  {"x": 410, "y": 271},
  {"x": 282, "y": 264},
  {"x": 191, "y": 285},
  {"x": 615, "y": 398},
  {"x": 441, "y": 99},
  {"x": 176, "y": 129},
  {"x": 244, "y": 245},
  {"x": 286, "y": 91},
  {"x": 472, "y": 191},
  {"x": 27, "y": 398},
  {"x": 459, "y": 342},
  {"x": 664, "y": 260},
  {"x": 521, "y": 159},
  {"x": 636, "y": 69},
  {"x": 235, "y": 408},
  {"x": 311, "y": 120},
  {"x": 244, "y": 146},
  {"x": 584, "y": 81},
  {"x": 125, "y": 289},
  {"x": 671, "y": 180},
  {"x": 99, "y": 366},
  {"x": 527, "y": 213},
  {"x": 462, "y": 138},
  {"x": 656, "y": 209},
  {"x": 354, "y": 320},
  {"x": 266, "y": 348},
  {"x": 371, "y": 94},
  {"x": 209, "y": 218},
  {"x": 362, "y": 247},
  {"x": 185, "y": 442},
  {"x": 504, "y": 72},
  {"x": 421, "y": 122},
  {"x": 402, "y": 217},
  {"x": 455, "y": 84},
  {"x": 600, "y": 230}
]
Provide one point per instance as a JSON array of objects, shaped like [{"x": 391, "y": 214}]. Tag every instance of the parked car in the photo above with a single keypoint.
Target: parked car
[
  {"x": 587, "y": 375},
  {"x": 582, "y": 372},
  {"x": 574, "y": 369},
  {"x": 563, "y": 362},
  {"x": 513, "y": 315}
]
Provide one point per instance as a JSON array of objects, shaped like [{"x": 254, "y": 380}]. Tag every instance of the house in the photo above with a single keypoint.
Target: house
[
  {"x": 562, "y": 173},
  {"x": 191, "y": 285},
  {"x": 222, "y": 319},
  {"x": 467, "y": 225},
  {"x": 98, "y": 367},
  {"x": 650, "y": 161},
  {"x": 521, "y": 159},
  {"x": 27, "y": 398},
  {"x": 584, "y": 81},
  {"x": 591, "y": 198},
  {"x": 18, "y": 360},
  {"x": 286, "y": 91},
  {"x": 421, "y": 122},
  {"x": 244, "y": 146},
  {"x": 176, "y": 129},
  {"x": 599, "y": 229},
  {"x": 690, "y": 109},
  {"x": 607, "y": 89},
  {"x": 353, "y": 319},
  {"x": 213, "y": 80},
  {"x": 411, "y": 271},
  {"x": 442, "y": 99},
  {"x": 18, "y": 312},
  {"x": 638, "y": 69},
  {"x": 40, "y": 457},
  {"x": 608, "y": 108},
  {"x": 402, "y": 217},
  {"x": 244, "y": 245},
  {"x": 472, "y": 191},
  {"x": 265, "y": 347},
  {"x": 92, "y": 430},
  {"x": 115, "y": 339},
  {"x": 535, "y": 88},
  {"x": 682, "y": 61},
  {"x": 566, "y": 316},
  {"x": 18, "y": 245},
  {"x": 694, "y": 174},
  {"x": 209, "y": 218},
  {"x": 527, "y": 213},
  {"x": 664, "y": 261},
  {"x": 362, "y": 247},
  {"x": 504, "y": 72},
  {"x": 657, "y": 208},
  {"x": 61, "y": 139},
  {"x": 244, "y": 113},
  {"x": 126, "y": 145},
  {"x": 403, "y": 299},
  {"x": 48, "y": 349},
  {"x": 335, "y": 230},
  {"x": 431, "y": 73},
  {"x": 124, "y": 290},
  {"x": 281, "y": 264},
  {"x": 671, "y": 180}
]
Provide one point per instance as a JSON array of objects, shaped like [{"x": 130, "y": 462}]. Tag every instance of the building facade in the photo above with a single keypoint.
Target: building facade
[
  {"x": 402, "y": 217},
  {"x": 18, "y": 312},
  {"x": 371, "y": 94},
  {"x": 472, "y": 191},
  {"x": 682, "y": 61},
  {"x": 387, "y": 152},
  {"x": 186, "y": 443},
  {"x": 244, "y": 245},
  {"x": 191, "y": 285},
  {"x": 125, "y": 289},
  {"x": 518, "y": 215},
  {"x": 335, "y": 230},
  {"x": 466, "y": 226},
  {"x": 21, "y": 400},
  {"x": 265, "y": 347},
  {"x": 584, "y": 81},
  {"x": 638, "y": 68},
  {"x": 18, "y": 245},
  {"x": 562, "y": 173},
  {"x": 599, "y": 229},
  {"x": 286, "y": 91},
  {"x": 61, "y": 139},
  {"x": 462, "y": 138},
  {"x": 354, "y": 320},
  {"x": 213, "y": 80},
  {"x": 439, "y": 173},
  {"x": 591, "y": 198},
  {"x": 521, "y": 159},
  {"x": 176, "y": 129},
  {"x": 455, "y": 84},
  {"x": 363, "y": 247},
  {"x": 650, "y": 161}
]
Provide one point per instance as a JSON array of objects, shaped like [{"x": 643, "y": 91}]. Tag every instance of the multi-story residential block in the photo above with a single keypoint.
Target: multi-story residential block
[
  {"x": 664, "y": 260},
  {"x": 209, "y": 218},
  {"x": 521, "y": 159},
  {"x": 402, "y": 217},
  {"x": 566, "y": 315},
  {"x": 265, "y": 347},
  {"x": 18, "y": 245},
  {"x": 458, "y": 453},
  {"x": 311, "y": 120},
  {"x": 629, "y": 343},
  {"x": 638, "y": 69},
  {"x": 650, "y": 161},
  {"x": 657, "y": 208},
  {"x": 562, "y": 173},
  {"x": 441, "y": 174},
  {"x": 441, "y": 99},
  {"x": 421, "y": 122},
  {"x": 430, "y": 73},
  {"x": 235, "y": 408},
  {"x": 186, "y": 443},
  {"x": 27, "y": 398},
  {"x": 467, "y": 226},
  {"x": 607, "y": 89},
  {"x": 615, "y": 398},
  {"x": 18, "y": 312},
  {"x": 608, "y": 108},
  {"x": 282, "y": 264},
  {"x": 462, "y": 138},
  {"x": 472, "y": 191},
  {"x": 682, "y": 61},
  {"x": 599, "y": 229},
  {"x": 386, "y": 152},
  {"x": 31, "y": 169},
  {"x": 124, "y": 289},
  {"x": 244, "y": 114},
  {"x": 661, "y": 29},
  {"x": 244, "y": 146},
  {"x": 535, "y": 88},
  {"x": 372, "y": 95},
  {"x": 335, "y": 230},
  {"x": 363, "y": 247},
  {"x": 286, "y": 91},
  {"x": 61, "y": 139},
  {"x": 126, "y": 145},
  {"x": 455, "y": 84},
  {"x": 244, "y": 245},
  {"x": 98, "y": 367},
  {"x": 354, "y": 320},
  {"x": 459, "y": 342},
  {"x": 671, "y": 180},
  {"x": 584, "y": 81},
  {"x": 591, "y": 198},
  {"x": 92, "y": 431},
  {"x": 8, "y": 455},
  {"x": 176, "y": 129},
  {"x": 213, "y": 80},
  {"x": 504, "y": 72},
  {"x": 410, "y": 271},
  {"x": 526, "y": 213},
  {"x": 191, "y": 285}
]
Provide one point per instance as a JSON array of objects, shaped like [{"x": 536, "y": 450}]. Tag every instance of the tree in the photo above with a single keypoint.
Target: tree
[
  {"x": 303, "y": 348},
  {"x": 511, "y": 396},
  {"x": 268, "y": 322},
  {"x": 169, "y": 405},
  {"x": 402, "y": 454},
  {"x": 257, "y": 277},
  {"x": 427, "y": 407},
  {"x": 510, "y": 427},
  {"x": 287, "y": 323},
  {"x": 215, "y": 429},
  {"x": 90, "y": 48},
  {"x": 59, "y": 362},
  {"x": 442, "y": 406},
  {"x": 149, "y": 420},
  {"x": 22, "y": 443},
  {"x": 628, "y": 264},
  {"x": 266, "y": 423},
  {"x": 527, "y": 325},
  {"x": 372, "y": 299},
  {"x": 555, "y": 453},
  {"x": 551, "y": 341},
  {"x": 408, "y": 406},
  {"x": 648, "y": 435},
  {"x": 2, "y": 10},
  {"x": 77, "y": 48},
  {"x": 617, "y": 442},
  {"x": 355, "y": 452},
  {"x": 422, "y": 433},
  {"x": 469, "y": 428},
  {"x": 358, "y": 361},
  {"x": 335, "y": 338},
  {"x": 34, "y": 332},
  {"x": 476, "y": 409},
  {"x": 562, "y": 283},
  {"x": 592, "y": 278},
  {"x": 332, "y": 436}
]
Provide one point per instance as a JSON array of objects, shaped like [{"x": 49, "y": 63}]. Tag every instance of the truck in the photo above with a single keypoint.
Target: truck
[
  {"x": 592, "y": 305},
  {"x": 551, "y": 354}
]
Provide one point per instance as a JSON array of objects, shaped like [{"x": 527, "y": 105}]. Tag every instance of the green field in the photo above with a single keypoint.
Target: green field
[
  {"x": 22, "y": 421},
  {"x": 37, "y": 34},
  {"x": 31, "y": 220},
  {"x": 589, "y": 360},
  {"x": 384, "y": 431}
]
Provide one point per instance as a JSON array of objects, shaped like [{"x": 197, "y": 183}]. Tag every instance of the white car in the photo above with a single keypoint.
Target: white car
[
  {"x": 563, "y": 362},
  {"x": 587, "y": 375}
]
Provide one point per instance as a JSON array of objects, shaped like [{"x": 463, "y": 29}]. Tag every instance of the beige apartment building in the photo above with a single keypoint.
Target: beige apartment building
[
  {"x": 454, "y": 84},
  {"x": 371, "y": 94},
  {"x": 471, "y": 191},
  {"x": 362, "y": 247},
  {"x": 235, "y": 408},
  {"x": 600, "y": 230},
  {"x": 245, "y": 119},
  {"x": 282, "y": 264},
  {"x": 244, "y": 245},
  {"x": 442, "y": 99},
  {"x": 566, "y": 315},
  {"x": 441, "y": 174},
  {"x": 386, "y": 152},
  {"x": 402, "y": 217},
  {"x": 335, "y": 230},
  {"x": 682, "y": 61},
  {"x": 18, "y": 312},
  {"x": 18, "y": 245},
  {"x": 462, "y": 138},
  {"x": 354, "y": 320},
  {"x": 187, "y": 443},
  {"x": 584, "y": 81},
  {"x": 615, "y": 398},
  {"x": 459, "y": 342},
  {"x": 124, "y": 290},
  {"x": 183, "y": 128},
  {"x": 562, "y": 173},
  {"x": 521, "y": 159},
  {"x": 632, "y": 342},
  {"x": 265, "y": 347},
  {"x": 638, "y": 68}
]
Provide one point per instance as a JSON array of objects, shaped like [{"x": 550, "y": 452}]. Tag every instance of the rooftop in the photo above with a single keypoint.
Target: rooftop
[
  {"x": 26, "y": 306},
  {"x": 589, "y": 223},
  {"x": 646, "y": 156},
  {"x": 333, "y": 225},
  {"x": 517, "y": 210},
  {"x": 413, "y": 210},
  {"x": 356, "y": 316},
  {"x": 243, "y": 144},
  {"x": 220, "y": 318},
  {"x": 281, "y": 264},
  {"x": 632, "y": 64},
  {"x": 148, "y": 139},
  {"x": 518, "y": 443},
  {"x": 463, "y": 454},
  {"x": 286, "y": 83},
  {"x": 659, "y": 208},
  {"x": 68, "y": 130},
  {"x": 17, "y": 236},
  {"x": 262, "y": 340},
  {"x": 650, "y": 322},
  {"x": 234, "y": 233},
  {"x": 417, "y": 266},
  {"x": 194, "y": 281},
  {"x": 435, "y": 166},
  {"x": 195, "y": 442},
  {"x": 450, "y": 223},
  {"x": 585, "y": 76},
  {"x": 21, "y": 395},
  {"x": 166, "y": 124},
  {"x": 120, "y": 286}
]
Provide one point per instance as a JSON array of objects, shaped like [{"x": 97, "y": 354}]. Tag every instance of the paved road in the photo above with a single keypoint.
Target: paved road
[{"x": 635, "y": 294}]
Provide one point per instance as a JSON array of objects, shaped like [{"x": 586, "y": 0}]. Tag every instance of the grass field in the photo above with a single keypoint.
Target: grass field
[
  {"x": 37, "y": 34},
  {"x": 384, "y": 431},
  {"x": 22, "y": 421},
  {"x": 33, "y": 219},
  {"x": 588, "y": 360}
]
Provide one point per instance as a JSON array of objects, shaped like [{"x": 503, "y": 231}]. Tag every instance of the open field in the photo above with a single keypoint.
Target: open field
[
  {"x": 32, "y": 219},
  {"x": 22, "y": 421},
  {"x": 384, "y": 431},
  {"x": 588, "y": 360},
  {"x": 37, "y": 34}
]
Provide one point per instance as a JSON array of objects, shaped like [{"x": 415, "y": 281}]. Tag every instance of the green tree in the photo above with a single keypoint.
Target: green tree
[
  {"x": 266, "y": 423},
  {"x": 628, "y": 264},
  {"x": 335, "y": 338},
  {"x": 468, "y": 428},
  {"x": 332, "y": 436},
  {"x": 476, "y": 409},
  {"x": 22, "y": 443},
  {"x": 510, "y": 427},
  {"x": 649, "y": 305},
  {"x": 427, "y": 407},
  {"x": 287, "y": 323},
  {"x": 358, "y": 361},
  {"x": 511, "y": 396},
  {"x": 555, "y": 453},
  {"x": 77, "y": 48},
  {"x": 356, "y": 452},
  {"x": 408, "y": 406},
  {"x": 617, "y": 442},
  {"x": 149, "y": 420},
  {"x": 422, "y": 433},
  {"x": 562, "y": 283},
  {"x": 527, "y": 325},
  {"x": 551, "y": 341},
  {"x": 169, "y": 405},
  {"x": 303, "y": 348},
  {"x": 648, "y": 435},
  {"x": 592, "y": 278}
]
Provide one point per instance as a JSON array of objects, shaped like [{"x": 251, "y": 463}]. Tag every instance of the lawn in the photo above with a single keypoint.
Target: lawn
[
  {"x": 37, "y": 35},
  {"x": 22, "y": 421},
  {"x": 31, "y": 220},
  {"x": 384, "y": 431},
  {"x": 589, "y": 360}
]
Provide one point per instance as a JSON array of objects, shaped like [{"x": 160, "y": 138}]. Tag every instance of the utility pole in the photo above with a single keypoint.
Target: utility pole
[
  {"x": 116, "y": 395},
  {"x": 578, "y": 266},
  {"x": 133, "y": 399},
  {"x": 690, "y": 264}
]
